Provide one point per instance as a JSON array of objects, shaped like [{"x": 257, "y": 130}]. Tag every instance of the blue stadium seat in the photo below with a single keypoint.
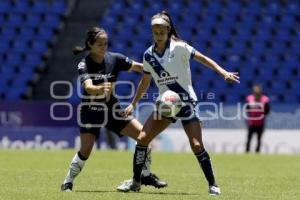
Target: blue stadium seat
[
  {"x": 7, "y": 72},
  {"x": 15, "y": 20},
  {"x": 33, "y": 20},
  {"x": 20, "y": 46},
  {"x": 4, "y": 45},
  {"x": 273, "y": 8},
  {"x": 27, "y": 33},
  {"x": 44, "y": 34},
  {"x": 283, "y": 34},
  {"x": 293, "y": 7},
  {"x": 39, "y": 47},
  {"x": 13, "y": 60},
  {"x": 26, "y": 70},
  {"x": 51, "y": 20},
  {"x": 59, "y": 7},
  {"x": 287, "y": 21},
  {"x": 33, "y": 60},
  {"x": 40, "y": 6},
  {"x": 8, "y": 32},
  {"x": 14, "y": 95},
  {"x": 290, "y": 98},
  {"x": 279, "y": 86},
  {"x": 5, "y": 6},
  {"x": 21, "y": 6}
]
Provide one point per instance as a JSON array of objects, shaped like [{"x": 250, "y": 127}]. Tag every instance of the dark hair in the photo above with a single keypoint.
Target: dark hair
[
  {"x": 91, "y": 36},
  {"x": 166, "y": 16}
]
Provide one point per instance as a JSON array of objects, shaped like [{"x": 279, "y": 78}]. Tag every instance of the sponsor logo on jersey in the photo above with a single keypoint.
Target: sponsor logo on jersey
[
  {"x": 103, "y": 76},
  {"x": 163, "y": 74},
  {"x": 166, "y": 79}
]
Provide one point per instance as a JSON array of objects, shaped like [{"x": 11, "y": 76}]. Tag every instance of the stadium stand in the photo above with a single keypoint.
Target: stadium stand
[
  {"x": 260, "y": 39},
  {"x": 29, "y": 28}
]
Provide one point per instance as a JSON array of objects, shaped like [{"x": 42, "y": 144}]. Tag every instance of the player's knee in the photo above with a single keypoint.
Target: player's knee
[
  {"x": 142, "y": 139},
  {"x": 197, "y": 147}
]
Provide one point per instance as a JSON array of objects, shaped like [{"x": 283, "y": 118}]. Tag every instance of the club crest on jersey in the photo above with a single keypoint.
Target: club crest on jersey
[
  {"x": 171, "y": 55},
  {"x": 81, "y": 65}
]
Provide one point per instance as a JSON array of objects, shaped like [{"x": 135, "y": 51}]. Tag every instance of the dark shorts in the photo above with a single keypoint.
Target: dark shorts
[
  {"x": 256, "y": 129},
  {"x": 187, "y": 114},
  {"x": 93, "y": 118}
]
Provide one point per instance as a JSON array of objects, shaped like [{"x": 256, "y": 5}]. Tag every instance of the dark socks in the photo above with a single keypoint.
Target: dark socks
[
  {"x": 205, "y": 163},
  {"x": 139, "y": 160},
  {"x": 81, "y": 156}
]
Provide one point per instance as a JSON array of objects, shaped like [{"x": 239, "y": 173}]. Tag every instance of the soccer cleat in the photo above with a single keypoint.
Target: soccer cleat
[
  {"x": 129, "y": 185},
  {"x": 66, "y": 187},
  {"x": 153, "y": 180},
  {"x": 214, "y": 190}
]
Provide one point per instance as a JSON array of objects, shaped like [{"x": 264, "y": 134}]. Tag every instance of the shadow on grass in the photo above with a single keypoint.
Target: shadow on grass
[{"x": 142, "y": 193}]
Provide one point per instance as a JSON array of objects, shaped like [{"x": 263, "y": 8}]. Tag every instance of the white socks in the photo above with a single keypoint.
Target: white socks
[
  {"x": 75, "y": 168},
  {"x": 77, "y": 164}
]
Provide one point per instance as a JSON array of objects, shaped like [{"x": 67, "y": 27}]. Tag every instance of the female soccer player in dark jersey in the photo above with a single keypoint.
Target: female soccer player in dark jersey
[
  {"x": 98, "y": 73},
  {"x": 167, "y": 62}
]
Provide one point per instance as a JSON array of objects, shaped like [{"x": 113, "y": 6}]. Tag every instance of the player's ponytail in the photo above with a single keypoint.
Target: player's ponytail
[
  {"x": 91, "y": 36},
  {"x": 173, "y": 32}
]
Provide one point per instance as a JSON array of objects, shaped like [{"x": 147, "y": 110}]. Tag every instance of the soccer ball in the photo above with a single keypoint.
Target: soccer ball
[{"x": 169, "y": 104}]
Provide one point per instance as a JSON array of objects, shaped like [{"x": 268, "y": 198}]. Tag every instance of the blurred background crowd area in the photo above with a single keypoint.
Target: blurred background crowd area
[{"x": 260, "y": 39}]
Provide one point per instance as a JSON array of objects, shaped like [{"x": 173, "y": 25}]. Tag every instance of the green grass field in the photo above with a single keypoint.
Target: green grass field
[{"x": 37, "y": 175}]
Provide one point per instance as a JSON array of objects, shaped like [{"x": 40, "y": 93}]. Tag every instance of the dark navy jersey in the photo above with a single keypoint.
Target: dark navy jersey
[{"x": 107, "y": 71}]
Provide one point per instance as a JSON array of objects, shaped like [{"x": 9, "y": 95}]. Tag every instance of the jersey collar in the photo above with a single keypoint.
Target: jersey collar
[{"x": 161, "y": 54}]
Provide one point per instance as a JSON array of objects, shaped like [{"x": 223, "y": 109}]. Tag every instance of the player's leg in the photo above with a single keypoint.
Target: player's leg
[
  {"x": 249, "y": 138},
  {"x": 194, "y": 132},
  {"x": 151, "y": 129},
  {"x": 259, "y": 132},
  {"x": 88, "y": 136},
  {"x": 78, "y": 161},
  {"x": 132, "y": 129}
]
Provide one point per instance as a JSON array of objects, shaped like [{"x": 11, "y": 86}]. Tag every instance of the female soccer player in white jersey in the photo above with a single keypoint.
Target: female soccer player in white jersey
[
  {"x": 98, "y": 72},
  {"x": 167, "y": 62}
]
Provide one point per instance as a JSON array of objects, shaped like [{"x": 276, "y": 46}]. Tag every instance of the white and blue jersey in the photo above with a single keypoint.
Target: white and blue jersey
[{"x": 171, "y": 69}]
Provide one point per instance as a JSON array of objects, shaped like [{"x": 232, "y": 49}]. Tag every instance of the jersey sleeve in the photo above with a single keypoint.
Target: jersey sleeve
[
  {"x": 146, "y": 66},
  {"x": 83, "y": 71},
  {"x": 123, "y": 63},
  {"x": 187, "y": 50}
]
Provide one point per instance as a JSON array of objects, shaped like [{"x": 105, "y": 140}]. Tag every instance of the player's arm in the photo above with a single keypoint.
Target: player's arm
[
  {"x": 267, "y": 108},
  {"x": 136, "y": 66},
  {"x": 95, "y": 90},
  {"x": 141, "y": 90},
  {"x": 228, "y": 76}
]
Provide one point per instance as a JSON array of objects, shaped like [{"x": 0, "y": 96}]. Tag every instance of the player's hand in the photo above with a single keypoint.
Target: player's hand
[
  {"x": 105, "y": 89},
  {"x": 127, "y": 111},
  {"x": 232, "y": 77}
]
